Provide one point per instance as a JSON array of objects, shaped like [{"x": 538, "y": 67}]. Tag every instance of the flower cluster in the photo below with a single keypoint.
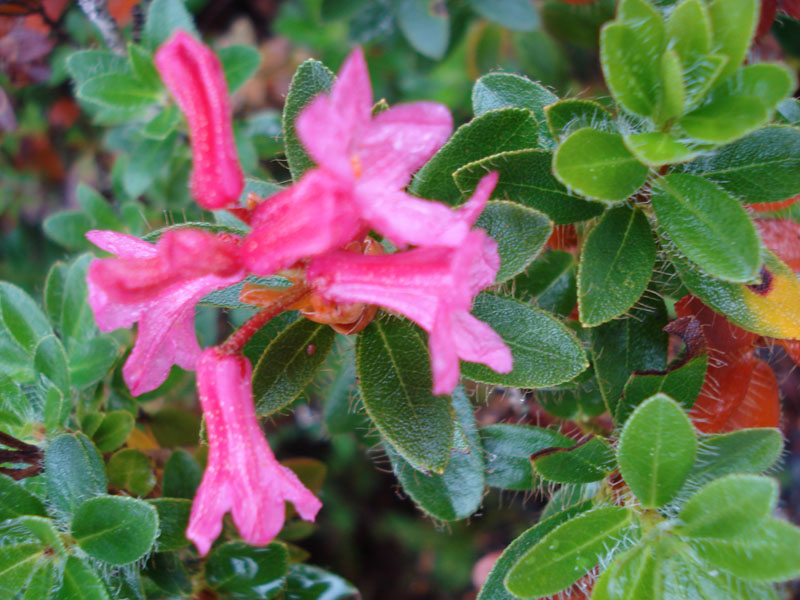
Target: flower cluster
[{"x": 317, "y": 234}]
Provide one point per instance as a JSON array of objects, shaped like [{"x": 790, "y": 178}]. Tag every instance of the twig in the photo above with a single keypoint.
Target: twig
[
  {"x": 97, "y": 12},
  {"x": 24, "y": 453}
]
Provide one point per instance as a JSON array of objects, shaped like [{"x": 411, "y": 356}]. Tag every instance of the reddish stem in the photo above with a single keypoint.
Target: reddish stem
[{"x": 237, "y": 340}]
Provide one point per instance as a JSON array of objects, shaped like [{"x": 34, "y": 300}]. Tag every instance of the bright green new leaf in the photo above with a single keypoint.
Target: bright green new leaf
[
  {"x": 743, "y": 451},
  {"x": 80, "y": 582},
  {"x": 655, "y": 148},
  {"x": 16, "y": 501},
  {"x": 728, "y": 506},
  {"x": 54, "y": 291},
  {"x": 239, "y": 63},
  {"x": 566, "y": 116},
  {"x": 42, "y": 582},
  {"x": 617, "y": 261},
  {"x": 77, "y": 319},
  {"x": 526, "y": 178},
  {"x": 771, "y": 83},
  {"x": 143, "y": 68},
  {"x": 708, "y": 225},
  {"x": 634, "y": 575},
  {"x": 264, "y": 578},
  {"x": 425, "y": 24},
  {"x": 724, "y": 118},
  {"x": 73, "y": 472},
  {"x": 131, "y": 470},
  {"x": 597, "y": 165},
  {"x": 163, "y": 124},
  {"x": 580, "y": 463},
  {"x": 673, "y": 97},
  {"x": 85, "y": 64},
  {"x": 568, "y": 552},
  {"x": 545, "y": 351},
  {"x": 686, "y": 577},
  {"x": 517, "y": 15},
  {"x": 733, "y": 23},
  {"x": 289, "y": 364},
  {"x": 395, "y": 378},
  {"x": 656, "y": 450},
  {"x": 117, "y": 90},
  {"x": 701, "y": 76},
  {"x": 115, "y": 529},
  {"x": 22, "y": 317},
  {"x": 689, "y": 31}
]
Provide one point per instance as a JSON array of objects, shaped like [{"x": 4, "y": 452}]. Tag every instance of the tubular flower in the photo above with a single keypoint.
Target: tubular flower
[
  {"x": 434, "y": 287},
  {"x": 158, "y": 286},
  {"x": 193, "y": 75},
  {"x": 242, "y": 475}
]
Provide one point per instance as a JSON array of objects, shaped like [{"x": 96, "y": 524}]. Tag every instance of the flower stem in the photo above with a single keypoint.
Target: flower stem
[{"x": 236, "y": 342}]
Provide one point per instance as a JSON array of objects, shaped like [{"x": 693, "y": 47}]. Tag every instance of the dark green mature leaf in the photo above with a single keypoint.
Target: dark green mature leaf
[
  {"x": 98, "y": 208},
  {"x": 114, "y": 429},
  {"x": 116, "y": 90},
  {"x": 508, "y": 449},
  {"x": 17, "y": 562},
  {"x": 493, "y": 588},
  {"x": 336, "y": 385},
  {"x": 167, "y": 571},
  {"x": 596, "y": 164},
  {"x": 520, "y": 233},
  {"x": 507, "y": 90},
  {"x": 708, "y": 225},
  {"x": 50, "y": 364},
  {"x": 617, "y": 261},
  {"x": 147, "y": 159},
  {"x": 182, "y": 475},
  {"x": 68, "y": 228},
  {"x": 115, "y": 529},
  {"x": 517, "y": 15},
  {"x": 728, "y": 506},
  {"x": 54, "y": 291},
  {"x": 492, "y": 132},
  {"x": 425, "y": 24},
  {"x": 73, "y": 472},
  {"x": 656, "y": 451},
  {"x": 16, "y": 501},
  {"x": 550, "y": 280},
  {"x": 394, "y": 374},
  {"x": 788, "y": 111},
  {"x": 636, "y": 342},
  {"x": 566, "y": 116},
  {"x": 733, "y": 23},
  {"x": 307, "y": 582},
  {"x": 580, "y": 463},
  {"x": 239, "y": 64},
  {"x": 681, "y": 384},
  {"x": 173, "y": 518},
  {"x": 42, "y": 582},
  {"x": 456, "y": 493},
  {"x": 311, "y": 78},
  {"x": 289, "y": 364},
  {"x": 545, "y": 351},
  {"x": 80, "y": 582},
  {"x": 635, "y": 574},
  {"x": 131, "y": 470},
  {"x": 526, "y": 178},
  {"x": 578, "y": 24},
  {"x": 163, "y": 18},
  {"x": 760, "y": 168},
  {"x": 568, "y": 552},
  {"x": 22, "y": 317},
  {"x": 77, "y": 319},
  {"x": 768, "y": 552},
  {"x": 264, "y": 576},
  {"x": 574, "y": 400}
]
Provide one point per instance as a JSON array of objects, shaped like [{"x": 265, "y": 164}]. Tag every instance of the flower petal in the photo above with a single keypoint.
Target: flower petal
[{"x": 476, "y": 342}]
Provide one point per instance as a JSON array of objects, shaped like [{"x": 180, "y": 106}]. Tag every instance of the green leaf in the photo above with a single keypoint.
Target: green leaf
[
  {"x": 574, "y": 400},
  {"x": 147, "y": 160},
  {"x": 516, "y": 15},
  {"x": 682, "y": 384},
  {"x": 507, "y": 90},
  {"x": 526, "y": 178},
  {"x": 22, "y": 317},
  {"x": 17, "y": 562},
  {"x": 456, "y": 493},
  {"x": 636, "y": 342},
  {"x": 689, "y": 31},
  {"x": 701, "y": 76},
  {"x": 493, "y": 588},
  {"x": 597, "y": 165},
  {"x": 728, "y": 506},
  {"x": 701, "y": 218},
  {"x": 634, "y": 575},
  {"x": 545, "y": 351},
  {"x": 568, "y": 552},
  {"x": 239, "y": 63},
  {"x": 569, "y": 496},
  {"x": 42, "y": 582},
  {"x": 520, "y": 232},
  {"x": 77, "y": 319},
  {"x": 656, "y": 450},
  {"x": 54, "y": 291},
  {"x": 687, "y": 577},
  {"x": 115, "y": 529},
  {"x": 580, "y": 463},
  {"x": 394, "y": 373},
  {"x": 264, "y": 576},
  {"x": 307, "y": 582},
  {"x": 57, "y": 407},
  {"x": 98, "y": 208},
  {"x": 311, "y": 78},
  {"x": 743, "y": 451},
  {"x": 163, "y": 18},
  {"x": 16, "y": 501},
  {"x": 566, "y": 116},
  {"x": 760, "y": 168},
  {"x": 68, "y": 228},
  {"x": 289, "y": 364},
  {"x": 92, "y": 361},
  {"x": 182, "y": 475},
  {"x": 80, "y": 582},
  {"x": 115, "y": 428},
  {"x": 83, "y": 65},
  {"x": 131, "y": 470},
  {"x": 167, "y": 571},
  {"x": 40, "y": 528},
  {"x": 162, "y": 124},
  {"x": 50, "y": 364},
  {"x": 768, "y": 552},
  {"x": 673, "y": 89},
  {"x": 173, "y": 519},
  {"x": 425, "y": 24},
  {"x": 617, "y": 261},
  {"x": 550, "y": 280},
  {"x": 490, "y": 133},
  {"x": 733, "y": 23},
  {"x": 724, "y": 118},
  {"x": 173, "y": 426},
  {"x": 508, "y": 449},
  {"x": 789, "y": 111},
  {"x": 655, "y": 148},
  {"x": 143, "y": 68},
  {"x": 336, "y": 384},
  {"x": 73, "y": 471},
  {"x": 116, "y": 90}
]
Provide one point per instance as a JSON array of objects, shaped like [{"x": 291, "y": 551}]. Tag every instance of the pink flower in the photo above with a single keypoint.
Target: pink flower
[
  {"x": 434, "y": 287},
  {"x": 364, "y": 164},
  {"x": 242, "y": 475},
  {"x": 158, "y": 286},
  {"x": 193, "y": 75}
]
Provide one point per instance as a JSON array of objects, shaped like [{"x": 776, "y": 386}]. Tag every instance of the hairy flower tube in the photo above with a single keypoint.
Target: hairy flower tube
[
  {"x": 158, "y": 286},
  {"x": 242, "y": 475},
  {"x": 193, "y": 75}
]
